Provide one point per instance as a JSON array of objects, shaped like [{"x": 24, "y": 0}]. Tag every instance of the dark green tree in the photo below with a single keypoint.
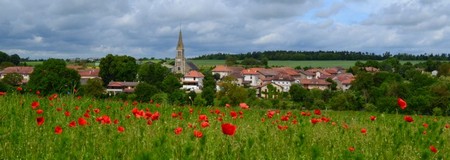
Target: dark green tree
[
  {"x": 54, "y": 77},
  {"x": 298, "y": 93},
  {"x": 153, "y": 73},
  {"x": 118, "y": 68},
  {"x": 93, "y": 87},
  {"x": 209, "y": 88},
  {"x": 145, "y": 91},
  {"x": 15, "y": 59},
  {"x": 13, "y": 79},
  {"x": 171, "y": 84}
]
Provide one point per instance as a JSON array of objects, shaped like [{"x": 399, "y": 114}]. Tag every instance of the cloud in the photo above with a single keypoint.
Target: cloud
[{"x": 141, "y": 28}]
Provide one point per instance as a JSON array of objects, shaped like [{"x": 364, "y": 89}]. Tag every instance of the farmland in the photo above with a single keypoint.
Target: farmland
[{"x": 131, "y": 130}]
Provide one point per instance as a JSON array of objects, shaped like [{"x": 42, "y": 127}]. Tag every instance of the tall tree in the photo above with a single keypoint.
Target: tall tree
[
  {"x": 54, "y": 77},
  {"x": 118, "y": 68},
  {"x": 153, "y": 73}
]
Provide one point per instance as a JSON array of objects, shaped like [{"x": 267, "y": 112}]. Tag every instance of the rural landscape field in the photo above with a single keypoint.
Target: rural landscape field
[{"x": 68, "y": 127}]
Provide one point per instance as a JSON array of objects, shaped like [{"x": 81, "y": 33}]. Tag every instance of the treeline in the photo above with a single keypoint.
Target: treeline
[
  {"x": 8, "y": 60},
  {"x": 322, "y": 55}
]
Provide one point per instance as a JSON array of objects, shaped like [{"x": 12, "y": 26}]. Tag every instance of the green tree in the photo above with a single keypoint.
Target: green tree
[
  {"x": 15, "y": 59},
  {"x": 171, "y": 84},
  {"x": 297, "y": 92},
  {"x": 154, "y": 73},
  {"x": 93, "y": 87},
  {"x": 145, "y": 91},
  {"x": 13, "y": 79},
  {"x": 117, "y": 68},
  {"x": 6, "y": 64},
  {"x": 209, "y": 88},
  {"x": 230, "y": 60},
  {"x": 54, "y": 77}
]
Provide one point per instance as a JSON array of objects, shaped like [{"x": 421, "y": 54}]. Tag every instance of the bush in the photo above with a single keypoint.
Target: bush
[
  {"x": 161, "y": 98},
  {"x": 199, "y": 101},
  {"x": 370, "y": 107},
  {"x": 437, "y": 111}
]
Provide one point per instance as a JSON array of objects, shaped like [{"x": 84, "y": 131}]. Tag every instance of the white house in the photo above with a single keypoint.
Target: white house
[{"x": 193, "y": 80}]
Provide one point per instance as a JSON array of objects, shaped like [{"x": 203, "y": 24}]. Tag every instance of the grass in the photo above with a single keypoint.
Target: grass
[{"x": 388, "y": 137}]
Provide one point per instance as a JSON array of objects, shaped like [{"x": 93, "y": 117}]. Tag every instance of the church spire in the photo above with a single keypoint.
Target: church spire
[{"x": 180, "y": 45}]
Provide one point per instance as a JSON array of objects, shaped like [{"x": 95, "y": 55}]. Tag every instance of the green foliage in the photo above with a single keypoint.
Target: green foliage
[
  {"x": 177, "y": 97},
  {"x": 5, "y": 87},
  {"x": 161, "y": 98},
  {"x": 117, "y": 68},
  {"x": 348, "y": 100},
  {"x": 235, "y": 93},
  {"x": 13, "y": 79},
  {"x": 171, "y": 84},
  {"x": 54, "y": 77},
  {"x": 145, "y": 91},
  {"x": 200, "y": 102},
  {"x": 155, "y": 73},
  {"x": 93, "y": 87},
  {"x": 6, "y": 64}
]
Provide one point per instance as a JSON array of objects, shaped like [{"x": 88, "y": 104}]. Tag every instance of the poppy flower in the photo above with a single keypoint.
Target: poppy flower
[
  {"x": 149, "y": 122},
  {"x": 373, "y": 118},
  {"x": 363, "y": 131},
  {"x": 97, "y": 110},
  {"x": 233, "y": 114},
  {"x": 35, "y": 104},
  {"x": 263, "y": 120},
  {"x": 447, "y": 126},
  {"x": 282, "y": 127},
  {"x": 155, "y": 116},
  {"x": 72, "y": 124},
  {"x": 58, "y": 130},
  {"x": 217, "y": 111},
  {"x": 425, "y": 125},
  {"x": 178, "y": 130},
  {"x": 116, "y": 121},
  {"x": 401, "y": 103},
  {"x": 243, "y": 105},
  {"x": 220, "y": 119},
  {"x": 39, "y": 111},
  {"x": 19, "y": 89},
  {"x": 284, "y": 118},
  {"x": 325, "y": 119},
  {"x": 77, "y": 107},
  {"x": 2, "y": 93},
  {"x": 59, "y": 109},
  {"x": 158, "y": 105},
  {"x": 40, "y": 120},
  {"x": 105, "y": 120},
  {"x": 174, "y": 115},
  {"x": 227, "y": 105},
  {"x": 294, "y": 121},
  {"x": 316, "y": 120},
  {"x": 433, "y": 149},
  {"x": 198, "y": 134},
  {"x": 82, "y": 121},
  {"x": 317, "y": 112},
  {"x": 228, "y": 129},
  {"x": 204, "y": 124},
  {"x": 53, "y": 96},
  {"x": 120, "y": 129},
  {"x": 408, "y": 119},
  {"x": 351, "y": 149},
  {"x": 270, "y": 114},
  {"x": 202, "y": 117},
  {"x": 38, "y": 92},
  {"x": 67, "y": 113}
]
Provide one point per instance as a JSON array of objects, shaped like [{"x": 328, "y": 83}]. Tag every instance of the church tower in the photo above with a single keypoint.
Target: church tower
[{"x": 180, "y": 60}]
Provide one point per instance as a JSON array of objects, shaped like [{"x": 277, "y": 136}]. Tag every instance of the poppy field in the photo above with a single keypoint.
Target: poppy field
[{"x": 68, "y": 127}]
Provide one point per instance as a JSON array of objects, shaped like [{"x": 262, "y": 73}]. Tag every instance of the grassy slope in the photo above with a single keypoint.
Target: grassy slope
[{"x": 389, "y": 137}]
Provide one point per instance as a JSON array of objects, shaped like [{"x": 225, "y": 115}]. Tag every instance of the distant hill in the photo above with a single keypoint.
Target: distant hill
[{"x": 321, "y": 55}]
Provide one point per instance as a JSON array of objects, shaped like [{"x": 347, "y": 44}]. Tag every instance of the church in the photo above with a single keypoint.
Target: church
[{"x": 181, "y": 65}]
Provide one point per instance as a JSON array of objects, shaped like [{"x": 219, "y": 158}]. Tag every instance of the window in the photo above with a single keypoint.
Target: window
[
  {"x": 179, "y": 68},
  {"x": 194, "y": 78}
]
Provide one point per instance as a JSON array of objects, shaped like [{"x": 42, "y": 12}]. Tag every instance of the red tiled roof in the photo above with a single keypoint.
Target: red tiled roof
[
  {"x": 251, "y": 71},
  {"x": 194, "y": 73},
  {"x": 283, "y": 77},
  {"x": 89, "y": 72},
  {"x": 221, "y": 68},
  {"x": 20, "y": 70},
  {"x": 287, "y": 70},
  {"x": 115, "y": 84},
  {"x": 314, "y": 82}
]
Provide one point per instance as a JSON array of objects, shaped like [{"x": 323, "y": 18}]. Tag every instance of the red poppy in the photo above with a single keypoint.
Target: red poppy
[
  {"x": 40, "y": 120},
  {"x": 53, "y": 96},
  {"x": 158, "y": 105},
  {"x": 284, "y": 118},
  {"x": 408, "y": 119},
  {"x": 67, "y": 113},
  {"x": 106, "y": 120},
  {"x": 217, "y": 111},
  {"x": 351, "y": 149},
  {"x": 59, "y": 109},
  {"x": 243, "y": 105},
  {"x": 35, "y": 104},
  {"x": 424, "y": 132},
  {"x": 135, "y": 103},
  {"x": 227, "y": 105},
  {"x": 120, "y": 129},
  {"x": 325, "y": 119},
  {"x": 39, "y": 111},
  {"x": 198, "y": 134},
  {"x": 19, "y": 89},
  {"x": 270, "y": 114},
  {"x": 97, "y": 110},
  {"x": 447, "y": 125},
  {"x": 82, "y": 121},
  {"x": 282, "y": 127},
  {"x": 363, "y": 131},
  {"x": 72, "y": 124},
  {"x": 204, "y": 124},
  {"x": 77, "y": 108},
  {"x": 149, "y": 122},
  {"x": 174, "y": 115},
  {"x": 401, "y": 103},
  {"x": 228, "y": 129},
  {"x": 233, "y": 114},
  {"x": 116, "y": 121},
  {"x": 58, "y": 130},
  {"x": 155, "y": 116},
  {"x": 38, "y": 92},
  {"x": 315, "y": 120},
  {"x": 425, "y": 125},
  {"x": 317, "y": 112},
  {"x": 433, "y": 149},
  {"x": 294, "y": 121},
  {"x": 263, "y": 120},
  {"x": 202, "y": 117},
  {"x": 191, "y": 110},
  {"x": 2, "y": 93},
  {"x": 345, "y": 125},
  {"x": 178, "y": 130},
  {"x": 220, "y": 119}
]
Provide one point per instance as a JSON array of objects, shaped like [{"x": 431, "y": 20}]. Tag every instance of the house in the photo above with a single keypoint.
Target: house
[
  {"x": 283, "y": 80},
  {"x": 264, "y": 90},
  {"x": 114, "y": 88},
  {"x": 288, "y": 71},
  {"x": 315, "y": 84},
  {"x": 344, "y": 81},
  {"x": 306, "y": 74},
  {"x": 87, "y": 74},
  {"x": 224, "y": 70},
  {"x": 24, "y": 71},
  {"x": 250, "y": 76},
  {"x": 193, "y": 81}
]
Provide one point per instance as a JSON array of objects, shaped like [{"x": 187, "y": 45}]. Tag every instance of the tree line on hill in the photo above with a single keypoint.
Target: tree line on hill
[
  {"x": 8, "y": 60},
  {"x": 321, "y": 55}
]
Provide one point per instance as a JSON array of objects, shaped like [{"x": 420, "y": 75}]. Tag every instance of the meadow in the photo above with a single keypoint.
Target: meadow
[{"x": 68, "y": 127}]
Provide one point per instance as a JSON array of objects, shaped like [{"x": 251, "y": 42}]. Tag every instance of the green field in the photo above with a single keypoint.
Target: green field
[{"x": 287, "y": 135}]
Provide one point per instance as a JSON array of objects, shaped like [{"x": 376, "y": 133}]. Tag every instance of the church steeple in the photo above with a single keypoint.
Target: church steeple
[{"x": 180, "y": 45}]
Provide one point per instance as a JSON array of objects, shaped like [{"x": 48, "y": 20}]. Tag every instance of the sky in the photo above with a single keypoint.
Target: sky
[{"x": 149, "y": 28}]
